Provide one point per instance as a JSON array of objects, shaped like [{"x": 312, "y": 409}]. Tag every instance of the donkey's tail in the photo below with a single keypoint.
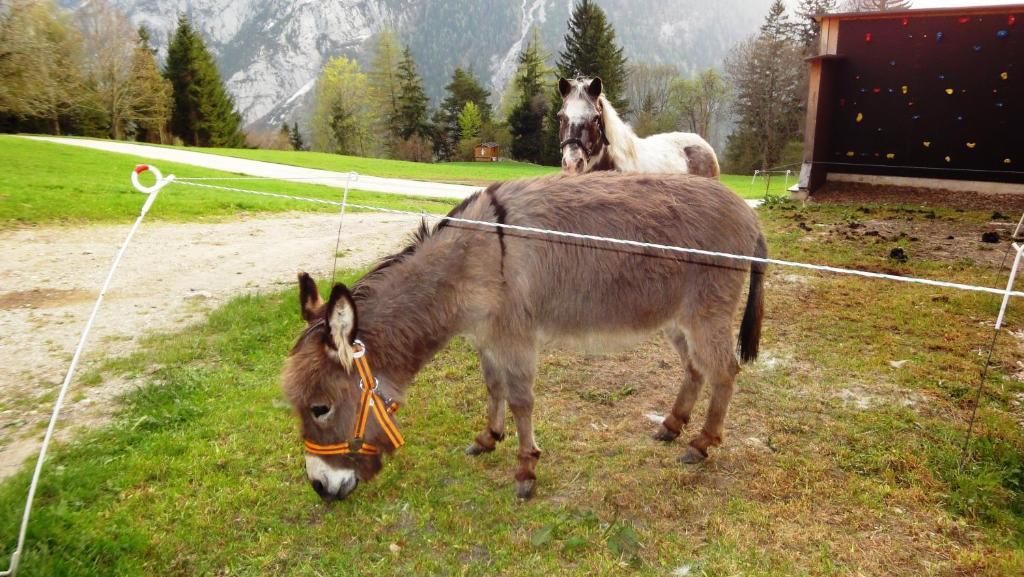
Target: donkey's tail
[{"x": 750, "y": 328}]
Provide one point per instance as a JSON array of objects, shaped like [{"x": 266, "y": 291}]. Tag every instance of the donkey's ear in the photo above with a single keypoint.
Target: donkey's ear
[
  {"x": 342, "y": 324},
  {"x": 564, "y": 87},
  {"x": 309, "y": 298},
  {"x": 594, "y": 88}
]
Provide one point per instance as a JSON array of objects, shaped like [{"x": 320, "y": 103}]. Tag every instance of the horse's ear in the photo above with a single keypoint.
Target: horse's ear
[
  {"x": 342, "y": 324},
  {"x": 564, "y": 87},
  {"x": 594, "y": 88},
  {"x": 311, "y": 304}
]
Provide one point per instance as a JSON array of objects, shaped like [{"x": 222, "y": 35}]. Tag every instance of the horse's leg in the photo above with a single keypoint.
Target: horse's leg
[
  {"x": 713, "y": 356},
  {"x": 519, "y": 370},
  {"x": 497, "y": 394},
  {"x": 674, "y": 423}
]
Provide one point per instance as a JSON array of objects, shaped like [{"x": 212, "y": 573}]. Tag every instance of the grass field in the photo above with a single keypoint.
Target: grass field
[
  {"x": 836, "y": 462},
  {"x": 480, "y": 173},
  {"x": 44, "y": 182}
]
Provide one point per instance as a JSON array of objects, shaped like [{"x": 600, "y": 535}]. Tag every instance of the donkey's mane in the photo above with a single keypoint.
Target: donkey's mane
[{"x": 423, "y": 233}]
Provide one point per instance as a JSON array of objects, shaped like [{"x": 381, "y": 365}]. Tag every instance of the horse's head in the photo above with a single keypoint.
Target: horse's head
[
  {"x": 344, "y": 432},
  {"x": 580, "y": 124}
]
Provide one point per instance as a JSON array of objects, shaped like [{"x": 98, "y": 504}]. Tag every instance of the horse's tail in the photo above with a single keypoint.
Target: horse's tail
[{"x": 750, "y": 328}]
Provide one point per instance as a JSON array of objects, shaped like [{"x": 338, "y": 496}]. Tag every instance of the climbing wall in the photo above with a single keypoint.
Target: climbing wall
[{"x": 939, "y": 97}]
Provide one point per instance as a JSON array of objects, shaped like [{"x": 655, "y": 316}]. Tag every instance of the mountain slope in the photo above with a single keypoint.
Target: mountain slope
[{"x": 270, "y": 51}]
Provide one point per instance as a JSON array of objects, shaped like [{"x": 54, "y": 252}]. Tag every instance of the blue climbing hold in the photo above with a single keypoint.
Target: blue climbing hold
[
  {"x": 977, "y": 47},
  {"x": 1002, "y": 33},
  {"x": 938, "y": 36}
]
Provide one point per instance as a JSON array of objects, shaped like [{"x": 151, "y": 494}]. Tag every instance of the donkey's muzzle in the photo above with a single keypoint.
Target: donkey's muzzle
[{"x": 342, "y": 491}]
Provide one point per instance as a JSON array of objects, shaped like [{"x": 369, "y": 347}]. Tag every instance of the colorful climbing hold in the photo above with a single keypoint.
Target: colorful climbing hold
[
  {"x": 1000, "y": 104},
  {"x": 904, "y": 89},
  {"x": 963, "y": 20},
  {"x": 1004, "y": 75},
  {"x": 949, "y": 91},
  {"x": 890, "y": 156},
  {"x": 1007, "y": 161},
  {"x": 916, "y": 117},
  {"x": 851, "y": 153},
  {"x": 867, "y": 37},
  {"x": 905, "y": 21},
  {"x": 1011, "y": 20},
  {"x": 1002, "y": 33},
  {"x": 976, "y": 47},
  {"x": 942, "y": 76},
  {"x": 876, "y": 90},
  {"x": 860, "y": 117},
  {"x": 971, "y": 145},
  {"x": 927, "y": 143},
  {"x": 939, "y": 36},
  {"x": 948, "y": 159}
]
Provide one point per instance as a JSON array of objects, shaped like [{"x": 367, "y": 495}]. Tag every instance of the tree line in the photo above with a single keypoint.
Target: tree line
[{"x": 90, "y": 73}]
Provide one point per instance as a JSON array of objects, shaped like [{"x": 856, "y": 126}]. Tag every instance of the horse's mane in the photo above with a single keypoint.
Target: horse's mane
[{"x": 621, "y": 138}]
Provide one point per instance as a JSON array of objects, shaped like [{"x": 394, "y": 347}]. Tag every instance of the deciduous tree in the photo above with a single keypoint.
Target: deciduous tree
[{"x": 343, "y": 114}]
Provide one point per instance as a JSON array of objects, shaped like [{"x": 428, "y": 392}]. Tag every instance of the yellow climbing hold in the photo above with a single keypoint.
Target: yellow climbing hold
[
  {"x": 948, "y": 159},
  {"x": 890, "y": 156},
  {"x": 971, "y": 144},
  {"x": 1006, "y": 161},
  {"x": 927, "y": 143},
  {"x": 849, "y": 153},
  {"x": 904, "y": 89},
  {"x": 860, "y": 117},
  {"x": 949, "y": 91},
  {"x": 1004, "y": 75}
]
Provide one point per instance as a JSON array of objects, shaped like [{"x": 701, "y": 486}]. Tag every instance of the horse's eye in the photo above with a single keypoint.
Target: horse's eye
[{"x": 320, "y": 410}]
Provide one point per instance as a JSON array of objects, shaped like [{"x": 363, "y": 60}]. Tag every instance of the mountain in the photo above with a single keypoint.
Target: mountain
[{"x": 271, "y": 51}]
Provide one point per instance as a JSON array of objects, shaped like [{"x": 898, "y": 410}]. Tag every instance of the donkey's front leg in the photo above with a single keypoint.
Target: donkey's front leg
[{"x": 497, "y": 393}]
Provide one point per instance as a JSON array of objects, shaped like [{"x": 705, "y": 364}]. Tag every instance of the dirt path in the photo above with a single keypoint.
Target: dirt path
[
  {"x": 269, "y": 169},
  {"x": 170, "y": 277}
]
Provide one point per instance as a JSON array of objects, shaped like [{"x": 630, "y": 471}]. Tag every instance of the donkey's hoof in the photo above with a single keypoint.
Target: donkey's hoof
[
  {"x": 524, "y": 489},
  {"x": 665, "y": 434},
  {"x": 692, "y": 456},
  {"x": 475, "y": 449}
]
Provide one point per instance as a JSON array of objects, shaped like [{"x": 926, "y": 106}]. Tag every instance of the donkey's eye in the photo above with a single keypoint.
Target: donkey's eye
[{"x": 319, "y": 411}]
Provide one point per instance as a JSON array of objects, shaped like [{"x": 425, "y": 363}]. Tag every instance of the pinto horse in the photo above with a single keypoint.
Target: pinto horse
[
  {"x": 512, "y": 292},
  {"x": 593, "y": 137}
]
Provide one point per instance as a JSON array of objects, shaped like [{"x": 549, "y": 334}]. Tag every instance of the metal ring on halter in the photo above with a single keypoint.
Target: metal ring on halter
[
  {"x": 376, "y": 385},
  {"x": 362, "y": 349},
  {"x": 146, "y": 189}
]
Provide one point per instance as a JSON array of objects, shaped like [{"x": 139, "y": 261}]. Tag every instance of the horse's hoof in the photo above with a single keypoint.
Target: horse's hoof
[
  {"x": 692, "y": 456},
  {"x": 524, "y": 489},
  {"x": 664, "y": 434},
  {"x": 475, "y": 449}
]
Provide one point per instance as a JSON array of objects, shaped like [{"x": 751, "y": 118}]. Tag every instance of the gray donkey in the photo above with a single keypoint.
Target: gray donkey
[{"x": 510, "y": 292}]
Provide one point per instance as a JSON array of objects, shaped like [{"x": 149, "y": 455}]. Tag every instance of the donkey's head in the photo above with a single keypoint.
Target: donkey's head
[
  {"x": 580, "y": 124},
  {"x": 344, "y": 432}
]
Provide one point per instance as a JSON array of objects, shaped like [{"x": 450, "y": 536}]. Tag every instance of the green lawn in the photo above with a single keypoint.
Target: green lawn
[
  {"x": 480, "y": 173},
  {"x": 44, "y": 182},
  {"x": 835, "y": 462}
]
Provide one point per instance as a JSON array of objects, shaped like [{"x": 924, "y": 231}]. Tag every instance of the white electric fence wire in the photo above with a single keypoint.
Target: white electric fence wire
[
  {"x": 152, "y": 191},
  {"x": 634, "y": 243}
]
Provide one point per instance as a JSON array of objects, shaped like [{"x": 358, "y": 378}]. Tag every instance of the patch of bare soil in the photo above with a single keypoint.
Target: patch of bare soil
[
  {"x": 170, "y": 277},
  {"x": 858, "y": 193}
]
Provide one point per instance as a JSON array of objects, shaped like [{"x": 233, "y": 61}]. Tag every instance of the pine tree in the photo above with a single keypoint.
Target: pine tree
[
  {"x": 463, "y": 88},
  {"x": 590, "y": 51},
  {"x": 204, "y": 114},
  {"x": 385, "y": 86},
  {"x": 526, "y": 120},
  {"x": 806, "y": 27},
  {"x": 777, "y": 27},
  {"x": 295, "y": 137},
  {"x": 412, "y": 100}
]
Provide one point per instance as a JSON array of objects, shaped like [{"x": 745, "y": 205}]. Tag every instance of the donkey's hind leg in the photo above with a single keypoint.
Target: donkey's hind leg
[
  {"x": 713, "y": 356},
  {"x": 674, "y": 423},
  {"x": 497, "y": 393}
]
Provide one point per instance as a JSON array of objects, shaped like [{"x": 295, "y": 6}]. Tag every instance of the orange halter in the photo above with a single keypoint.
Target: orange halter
[{"x": 369, "y": 399}]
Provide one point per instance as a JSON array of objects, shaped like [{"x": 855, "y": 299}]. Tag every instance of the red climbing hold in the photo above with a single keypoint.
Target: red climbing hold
[
  {"x": 963, "y": 20},
  {"x": 867, "y": 37},
  {"x": 905, "y": 22},
  {"x": 1011, "y": 19}
]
